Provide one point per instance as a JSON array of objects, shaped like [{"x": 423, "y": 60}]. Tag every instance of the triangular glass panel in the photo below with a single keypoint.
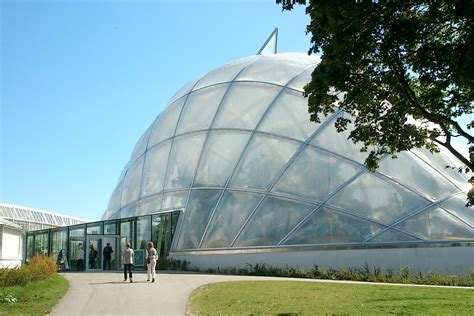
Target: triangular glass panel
[
  {"x": 302, "y": 79},
  {"x": 244, "y": 105},
  {"x": 165, "y": 124},
  {"x": 265, "y": 70},
  {"x": 156, "y": 160},
  {"x": 197, "y": 213},
  {"x": 141, "y": 145},
  {"x": 200, "y": 108},
  {"x": 437, "y": 224},
  {"x": 183, "y": 91},
  {"x": 377, "y": 199},
  {"x": 417, "y": 175},
  {"x": 339, "y": 143},
  {"x": 263, "y": 159},
  {"x": 183, "y": 159},
  {"x": 225, "y": 73},
  {"x": 229, "y": 217},
  {"x": 457, "y": 206},
  {"x": 219, "y": 157},
  {"x": 392, "y": 235},
  {"x": 150, "y": 205},
  {"x": 132, "y": 182},
  {"x": 274, "y": 219},
  {"x": 315, "y": 174},
  {"x": 326, "y": 226},
  {"x": 444, "y": 162},
  {"x": 289, "y": 117}
]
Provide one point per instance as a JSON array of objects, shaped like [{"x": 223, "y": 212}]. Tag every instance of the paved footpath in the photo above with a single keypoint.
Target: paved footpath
[{"x": 107, "y": 294}]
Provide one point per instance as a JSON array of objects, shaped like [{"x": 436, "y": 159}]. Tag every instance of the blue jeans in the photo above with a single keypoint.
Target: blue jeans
[{"x": 127, "y": 266}]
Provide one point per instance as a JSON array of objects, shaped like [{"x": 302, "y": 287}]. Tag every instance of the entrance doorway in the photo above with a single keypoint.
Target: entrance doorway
[{"x": 95, "y": 260}]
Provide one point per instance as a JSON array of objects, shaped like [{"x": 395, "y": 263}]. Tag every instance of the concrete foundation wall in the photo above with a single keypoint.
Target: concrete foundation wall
[{"x": 447, "y": 260}]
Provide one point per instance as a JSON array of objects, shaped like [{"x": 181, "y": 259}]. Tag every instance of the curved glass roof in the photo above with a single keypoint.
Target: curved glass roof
[{"x": 236, "y": 150}]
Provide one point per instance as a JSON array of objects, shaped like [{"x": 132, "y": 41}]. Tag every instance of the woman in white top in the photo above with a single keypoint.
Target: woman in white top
[{"x": 151, "y": 256}]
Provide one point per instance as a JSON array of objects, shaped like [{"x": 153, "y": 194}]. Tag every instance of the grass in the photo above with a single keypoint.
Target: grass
[
  {"x": 35, "y": 298},
  {"x": 293, "y": 297}
]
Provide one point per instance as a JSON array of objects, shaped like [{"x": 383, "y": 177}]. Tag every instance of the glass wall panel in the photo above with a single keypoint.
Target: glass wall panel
[
  {"x": 301, "y": 80},
  {"x": 155, "y": 168},
  {"x": 110, "y": 228},
  {"x": 200, "y": 108},
  {"x": 132, "y": 182},
  {"x": 42, "y": 243},
  {"x": 77, "y": 239},
  {"x": 273, "y": 220},
  {"x": 30, "y": 248},
  {"x": 417, "y": 175},
  {"x": 225, "y": 73},
  {"x": 440, "y": 161},
  {"x": 165, "y": 124},
  {"x": 229, "y": 217},
  {"x": 264, "y": 70},
  {"x": 184, "y": 158},
  {"x": 95, "y": 228},
  {"x": 161, "y": 236},
  {"x": 376, "y": 199},
  {"x": 143, "y": 231},
  {"x": 457, "y": 206},
  {"x": 219, "y": 158},
  {"x": 199, "y": 208},
  {"x": 339, "y": 143},
  {"x": 58, "y": 243},
  {"x": 325, "y": 226},
  {"x": 127, "y": 230},
  {"x": 315, "y": 175},
  {"x": 289, "y": 117},
  {"x": 141, "y": 145},
  {"x": 150, "y": 205},
  {"x": 262, "y": 160},
  {"x": 436, "y": 224},
  {"x": 244, "y": 105},
  {"x": 392, "y": 235}
]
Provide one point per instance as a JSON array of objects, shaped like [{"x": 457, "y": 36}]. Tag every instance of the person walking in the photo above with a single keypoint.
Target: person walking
[
  {"x": 128, "y": 262},
  {"x": 151, "y": 258},
  {"x": 107, "y": 252}
]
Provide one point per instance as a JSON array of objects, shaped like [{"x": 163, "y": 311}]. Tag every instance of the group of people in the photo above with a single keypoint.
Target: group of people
[
  {"x": 93, "y": 254},
  {"x": 151, "y": 257}
]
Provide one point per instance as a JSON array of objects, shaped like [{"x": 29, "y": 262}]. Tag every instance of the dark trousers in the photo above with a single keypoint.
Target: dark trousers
[
  {"x": 106, "y": 263},
  {"x": 127, "y": 266},
  {"x": 80, "y": 264}
]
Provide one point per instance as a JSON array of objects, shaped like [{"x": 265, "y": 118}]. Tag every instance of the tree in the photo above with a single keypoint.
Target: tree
[{"x": 406, "y": 68}]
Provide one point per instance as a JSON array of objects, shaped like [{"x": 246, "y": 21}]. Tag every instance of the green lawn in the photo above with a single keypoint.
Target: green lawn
[
  {"x": 293, "y": 297},
  {"x": 36, "y": 298}
]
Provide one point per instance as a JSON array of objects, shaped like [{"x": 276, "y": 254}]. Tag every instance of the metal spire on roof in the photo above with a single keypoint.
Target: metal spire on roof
[{"x": 267, "y": 47}]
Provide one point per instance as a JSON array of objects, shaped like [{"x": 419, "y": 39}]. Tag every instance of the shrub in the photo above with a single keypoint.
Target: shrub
[{"x": 39, "y": 268}]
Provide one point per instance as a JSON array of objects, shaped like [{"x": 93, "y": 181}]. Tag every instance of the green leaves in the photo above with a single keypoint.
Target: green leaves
[{"x": 415, "y": 56}]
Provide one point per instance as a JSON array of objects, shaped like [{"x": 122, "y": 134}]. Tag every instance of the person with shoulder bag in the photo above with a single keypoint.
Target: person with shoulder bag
[{"x": 151, "y": 258}]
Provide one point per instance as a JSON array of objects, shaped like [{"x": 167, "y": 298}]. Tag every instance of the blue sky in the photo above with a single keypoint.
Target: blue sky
[{"x": 81, "y": 80}]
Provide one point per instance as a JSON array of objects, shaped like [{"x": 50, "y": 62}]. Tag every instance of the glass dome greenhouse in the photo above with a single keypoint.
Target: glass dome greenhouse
[{"x": 235, "y": 150}]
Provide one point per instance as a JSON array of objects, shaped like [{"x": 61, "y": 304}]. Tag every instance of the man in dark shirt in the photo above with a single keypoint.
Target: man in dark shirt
[{"x": 107, "y": 256}]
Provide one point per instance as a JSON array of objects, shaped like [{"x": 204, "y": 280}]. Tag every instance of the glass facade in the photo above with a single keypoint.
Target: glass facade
[
  {"x": 237, "y": 152},
  {"x": 93, "y": 237}
]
